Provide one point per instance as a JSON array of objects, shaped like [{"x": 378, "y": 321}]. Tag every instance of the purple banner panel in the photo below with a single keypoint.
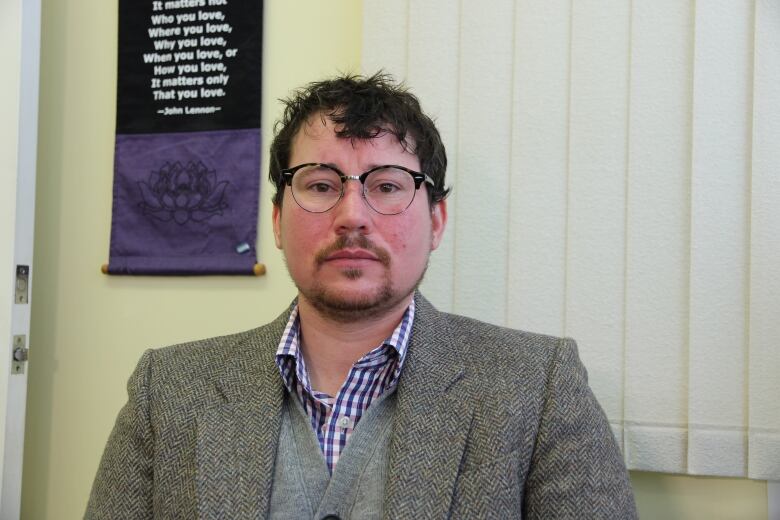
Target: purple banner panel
[
  {"x": 185, "y": 203},
  {"x": 187, "y": 158}
]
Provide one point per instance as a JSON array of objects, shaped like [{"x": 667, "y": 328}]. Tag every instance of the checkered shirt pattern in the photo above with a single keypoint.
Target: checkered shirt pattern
[{"x": 335, "y": 418}]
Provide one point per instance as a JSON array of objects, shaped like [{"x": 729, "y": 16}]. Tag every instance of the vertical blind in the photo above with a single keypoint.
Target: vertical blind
[{"x": 616, "y": 174}]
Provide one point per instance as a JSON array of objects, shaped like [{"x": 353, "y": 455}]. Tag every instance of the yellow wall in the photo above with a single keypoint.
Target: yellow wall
[
  {"x": 670, "y": 497},
  {"x": 88, "y": 330}
]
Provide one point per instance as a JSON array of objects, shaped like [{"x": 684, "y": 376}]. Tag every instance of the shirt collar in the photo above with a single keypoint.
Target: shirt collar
[{"x": 289, "y": 347}]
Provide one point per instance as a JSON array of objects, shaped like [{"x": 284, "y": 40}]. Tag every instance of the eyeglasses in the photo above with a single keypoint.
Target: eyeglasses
[{"x": 387, "y": 189}]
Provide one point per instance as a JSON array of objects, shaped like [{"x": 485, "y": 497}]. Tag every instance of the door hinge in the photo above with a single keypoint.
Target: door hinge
[{"x": 19, "y": 353}]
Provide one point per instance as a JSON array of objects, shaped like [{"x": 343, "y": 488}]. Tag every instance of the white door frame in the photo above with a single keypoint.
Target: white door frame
[{"x": 23, "y": 64}]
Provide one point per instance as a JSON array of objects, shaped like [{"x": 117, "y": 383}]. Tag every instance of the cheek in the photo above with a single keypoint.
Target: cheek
[
  {"x": 408, "y": 238},
  {"x": 300, "y": 234},
  {"x": 398, "y": 235},
  {"x": 398, "y": 240}
]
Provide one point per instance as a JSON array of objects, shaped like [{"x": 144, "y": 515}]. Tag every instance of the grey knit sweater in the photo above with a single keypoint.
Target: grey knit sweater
[{"x": 302, "y": 485}]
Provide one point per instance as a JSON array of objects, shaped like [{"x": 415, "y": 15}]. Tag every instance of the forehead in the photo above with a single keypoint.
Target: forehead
[{"x": 317, "y": 141}]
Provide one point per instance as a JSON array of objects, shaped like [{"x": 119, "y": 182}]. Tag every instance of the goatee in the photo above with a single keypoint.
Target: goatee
[{"x": 344, "y": 307}]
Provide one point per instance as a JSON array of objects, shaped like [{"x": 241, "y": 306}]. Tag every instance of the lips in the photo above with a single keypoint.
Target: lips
[
  {"x": 351, "y": 254},
  {"x": 352, "y": 248}
]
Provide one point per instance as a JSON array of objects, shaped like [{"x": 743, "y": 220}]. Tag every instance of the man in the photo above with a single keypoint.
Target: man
[{"x": 361, "y": 400}]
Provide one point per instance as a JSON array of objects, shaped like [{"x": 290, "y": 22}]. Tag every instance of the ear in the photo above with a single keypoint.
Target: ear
[
  {"x": 438, "y": 223},
  {"x": 277, "y": 218}
]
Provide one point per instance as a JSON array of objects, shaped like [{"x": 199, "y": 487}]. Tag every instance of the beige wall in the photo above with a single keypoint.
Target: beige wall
[
  {"x": 671, "y": 497},
  {"x": 89, "y": 330}
]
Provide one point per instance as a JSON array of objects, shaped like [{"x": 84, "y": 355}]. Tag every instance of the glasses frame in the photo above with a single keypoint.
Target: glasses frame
[{"x": 419, "y": 178}]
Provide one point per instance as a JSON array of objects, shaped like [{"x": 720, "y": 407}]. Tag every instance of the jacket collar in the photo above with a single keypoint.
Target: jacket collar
[
  {"x": 238, "y": 439},
  {"x": 432, "y": 421}
]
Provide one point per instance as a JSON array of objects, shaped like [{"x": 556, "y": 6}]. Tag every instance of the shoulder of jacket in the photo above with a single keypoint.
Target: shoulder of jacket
[
  {"x": 193, "y": 363},
  {"x": 504, "y": 354}
]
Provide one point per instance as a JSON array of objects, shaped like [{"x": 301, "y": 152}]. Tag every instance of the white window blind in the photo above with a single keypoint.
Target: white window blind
[{"x": 616, "y": 173}]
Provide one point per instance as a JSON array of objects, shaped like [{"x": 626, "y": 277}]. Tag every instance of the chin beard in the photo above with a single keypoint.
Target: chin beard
[{"x": 347, "y": 308}]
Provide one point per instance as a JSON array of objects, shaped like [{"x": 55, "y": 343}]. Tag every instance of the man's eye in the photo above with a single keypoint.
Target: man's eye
[
  {"x": 387, "y": 187},
  {"x": 320, "y": 187}
]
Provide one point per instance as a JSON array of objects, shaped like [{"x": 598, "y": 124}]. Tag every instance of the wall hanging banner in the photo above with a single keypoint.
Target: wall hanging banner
[{"x": 187, "y": 156}]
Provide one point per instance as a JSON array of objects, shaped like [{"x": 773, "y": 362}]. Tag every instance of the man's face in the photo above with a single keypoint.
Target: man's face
[{"x": 352, "y": 262}]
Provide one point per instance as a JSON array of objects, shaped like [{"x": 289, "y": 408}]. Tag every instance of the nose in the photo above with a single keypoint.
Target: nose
[{"x": 352, "y": 212}]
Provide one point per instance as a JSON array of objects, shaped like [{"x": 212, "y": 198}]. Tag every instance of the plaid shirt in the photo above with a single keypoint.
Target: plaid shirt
[{"x": 334, "y": 418}]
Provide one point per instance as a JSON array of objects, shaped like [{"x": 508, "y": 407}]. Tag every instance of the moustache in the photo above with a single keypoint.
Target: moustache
[{"x": 352, "y": 241}]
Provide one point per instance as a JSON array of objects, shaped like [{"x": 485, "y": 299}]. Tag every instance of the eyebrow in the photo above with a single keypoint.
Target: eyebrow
[{"x": 370, "y": 166}]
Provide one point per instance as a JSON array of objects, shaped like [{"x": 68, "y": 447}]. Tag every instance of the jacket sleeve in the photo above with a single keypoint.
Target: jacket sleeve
[
  {"x": 123, "y": 484},
  {"x": 577, "y": 470}
]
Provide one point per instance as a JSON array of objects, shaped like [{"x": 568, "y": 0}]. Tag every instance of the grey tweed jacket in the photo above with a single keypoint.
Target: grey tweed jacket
[{"x": 490, "y": 423}]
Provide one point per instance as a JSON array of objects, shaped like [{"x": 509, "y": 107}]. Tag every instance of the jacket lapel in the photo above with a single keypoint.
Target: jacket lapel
[
  {"x": 432, "y": 421},
  {"x": 238, "y": 438}
]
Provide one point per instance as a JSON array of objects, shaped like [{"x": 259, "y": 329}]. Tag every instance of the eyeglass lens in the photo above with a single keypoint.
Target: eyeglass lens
[{"x": 318, "y": 188}]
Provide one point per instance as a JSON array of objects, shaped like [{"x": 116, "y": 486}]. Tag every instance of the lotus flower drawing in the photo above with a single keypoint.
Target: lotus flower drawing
[{"x": 183, "y": 194}]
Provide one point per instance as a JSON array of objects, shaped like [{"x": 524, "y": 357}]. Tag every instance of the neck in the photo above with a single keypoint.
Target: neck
[{"x": 331, "y": 348}]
